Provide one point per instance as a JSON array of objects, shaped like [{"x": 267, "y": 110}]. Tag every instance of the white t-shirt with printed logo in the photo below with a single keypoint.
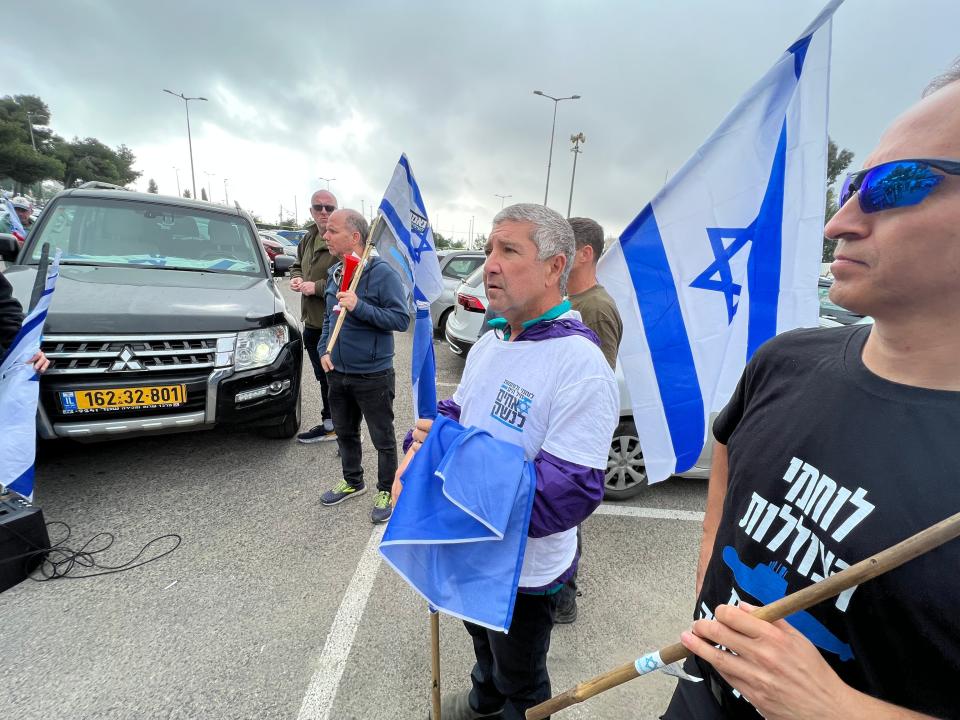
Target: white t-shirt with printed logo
[{"x": 557, "y": 395}]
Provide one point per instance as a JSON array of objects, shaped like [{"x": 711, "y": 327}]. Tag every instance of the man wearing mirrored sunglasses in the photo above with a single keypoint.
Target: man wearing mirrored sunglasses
[
  {"x": 307, "y": 277},
  {"x": 837, "y": 444}
]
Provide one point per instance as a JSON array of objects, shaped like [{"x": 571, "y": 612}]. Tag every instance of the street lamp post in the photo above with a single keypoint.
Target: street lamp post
[
  {"x": 30, "y": 125},
  {"x": 177, "y": 171},
  {"x": 556, "y": 102},
  {"x": 209, "y": 191},
  {"x": 226, "y": 198},
  {"x": 329, "y": 180},
  {"x": 502, "y": 198},
  {"x": 577, "y": 141},
  {"x": 186, "y": 104}
]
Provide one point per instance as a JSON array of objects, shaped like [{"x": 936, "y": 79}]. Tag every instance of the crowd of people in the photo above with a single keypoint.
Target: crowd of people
[{"x": 847, "y": 433}]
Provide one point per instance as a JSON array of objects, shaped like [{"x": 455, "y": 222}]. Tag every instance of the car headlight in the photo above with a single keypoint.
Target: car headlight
[{"x": 256, "y": 348}]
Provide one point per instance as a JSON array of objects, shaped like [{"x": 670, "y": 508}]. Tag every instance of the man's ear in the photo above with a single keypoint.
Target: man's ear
[{"x": 555, "y": 266}]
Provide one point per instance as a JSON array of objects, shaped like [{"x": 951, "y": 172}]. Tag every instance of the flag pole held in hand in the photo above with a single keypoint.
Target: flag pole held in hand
[
  {"x": 873, "y": 566},
  {"x": 353, "y": 283}
]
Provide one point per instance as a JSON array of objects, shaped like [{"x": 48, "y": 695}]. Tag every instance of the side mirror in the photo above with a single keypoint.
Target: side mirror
[
  {"x": 9, "y": 247},
  {"x": 282, "y": 264}
]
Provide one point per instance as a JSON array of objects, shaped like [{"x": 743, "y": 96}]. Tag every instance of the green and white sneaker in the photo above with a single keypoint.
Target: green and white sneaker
[
  {"x": 341, "y": 492},
  {"x": 382, "y": 508}
]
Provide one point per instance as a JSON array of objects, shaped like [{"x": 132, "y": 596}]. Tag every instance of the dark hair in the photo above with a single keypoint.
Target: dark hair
[
  {"x": 588, "y": 232},
  {"x": 943, "y": 79}
]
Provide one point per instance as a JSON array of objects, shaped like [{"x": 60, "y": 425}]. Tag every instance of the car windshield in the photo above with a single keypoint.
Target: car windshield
[{"x": 105, "y": 231}]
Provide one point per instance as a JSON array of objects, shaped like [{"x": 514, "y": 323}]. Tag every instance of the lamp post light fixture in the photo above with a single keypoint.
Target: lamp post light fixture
[
  {"x": 328, "y": 180},
  {"x": 186, "y": 104},
  {"x": 577, "y": 141},
  {"x": 502, "y": 198},
  {"x": 553, "y": 127}
]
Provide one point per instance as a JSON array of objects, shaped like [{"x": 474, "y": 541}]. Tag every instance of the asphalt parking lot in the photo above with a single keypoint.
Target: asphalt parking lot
[{"x": 276, "y": 607}]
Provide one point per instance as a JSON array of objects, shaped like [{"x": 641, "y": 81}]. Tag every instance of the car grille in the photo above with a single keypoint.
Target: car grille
[{"x": 114, "y": 354}]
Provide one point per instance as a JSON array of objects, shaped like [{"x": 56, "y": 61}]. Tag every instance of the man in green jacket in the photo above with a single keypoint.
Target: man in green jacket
[{"x": 308, "y": 276}]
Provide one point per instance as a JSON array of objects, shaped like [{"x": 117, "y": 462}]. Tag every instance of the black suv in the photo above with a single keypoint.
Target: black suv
[{"x": 165, "y": 318}]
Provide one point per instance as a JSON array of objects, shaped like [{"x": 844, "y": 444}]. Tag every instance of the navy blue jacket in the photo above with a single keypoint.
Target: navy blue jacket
[{"x": 365, "y": 343}]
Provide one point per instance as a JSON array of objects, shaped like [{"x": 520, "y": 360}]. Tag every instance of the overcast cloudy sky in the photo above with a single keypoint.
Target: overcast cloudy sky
[{"x": 299, "y": 90}]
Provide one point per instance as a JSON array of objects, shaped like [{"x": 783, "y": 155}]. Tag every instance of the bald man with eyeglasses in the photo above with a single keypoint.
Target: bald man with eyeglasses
[
  {"x": 308, "y": 276},
  {"x": 837, "y": 444}
]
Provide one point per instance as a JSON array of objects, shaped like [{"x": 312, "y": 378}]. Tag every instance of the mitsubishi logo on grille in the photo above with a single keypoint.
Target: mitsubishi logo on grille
[{"x": 126, "y": 360}]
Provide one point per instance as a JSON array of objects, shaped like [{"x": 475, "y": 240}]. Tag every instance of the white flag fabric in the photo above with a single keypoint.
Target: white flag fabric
[
  {"x": 406, "y": 242},
  {"x": 725, "y": 256},
  {"x": 19, "y": 393}
]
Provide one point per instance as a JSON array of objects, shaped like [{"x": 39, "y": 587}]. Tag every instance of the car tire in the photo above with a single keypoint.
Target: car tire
[
  {"x": 626, "y": 473},
  {"x": 442, "y": 322},
  {"x": 287, "y": 428}
]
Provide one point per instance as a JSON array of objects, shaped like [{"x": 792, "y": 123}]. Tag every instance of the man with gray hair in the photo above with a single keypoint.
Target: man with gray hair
[
  {"x": 360, "y": 365},
  {"x": 541, "y": 382}
]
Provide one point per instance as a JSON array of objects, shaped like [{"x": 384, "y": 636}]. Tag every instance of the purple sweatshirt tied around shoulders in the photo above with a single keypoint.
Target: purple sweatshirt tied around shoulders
[{"x": 567, "y": 493}]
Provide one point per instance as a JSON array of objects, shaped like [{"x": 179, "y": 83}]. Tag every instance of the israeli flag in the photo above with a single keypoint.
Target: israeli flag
[
  {"x": 725, "y": 256},
  {"x": 459, "y": 532},
  {"x": 16, "y": 227},
  {"x": 406, "y": 242},
  {"x": 19, "y": 393}
]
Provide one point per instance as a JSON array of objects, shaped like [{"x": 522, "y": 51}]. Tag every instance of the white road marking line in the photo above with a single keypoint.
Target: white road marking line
[
  {"x": 446, "y": 384},
  {"x": 648, "y": 513},
  {"x": 321, "y": 693}
]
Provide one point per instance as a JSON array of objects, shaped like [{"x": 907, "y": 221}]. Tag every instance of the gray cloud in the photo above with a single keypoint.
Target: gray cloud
[{"x": 451, "y": 85}]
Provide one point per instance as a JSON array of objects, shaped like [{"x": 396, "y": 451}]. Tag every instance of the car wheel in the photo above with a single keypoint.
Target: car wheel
[
  {"x": 626, "y": 474},
  {"x": 287, "y": 428},
  {"x": 442, "y": 323}
]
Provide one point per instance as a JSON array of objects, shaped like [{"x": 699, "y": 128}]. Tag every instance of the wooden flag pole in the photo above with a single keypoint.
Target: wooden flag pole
[
  {"x": 353, "y": 283},
  {"x": 435, "y": 661},
  {"x": 873, "y": 566}
]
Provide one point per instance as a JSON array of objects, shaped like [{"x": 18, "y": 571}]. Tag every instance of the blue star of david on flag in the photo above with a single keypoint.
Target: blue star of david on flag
[{"x": 718, "y": 276}]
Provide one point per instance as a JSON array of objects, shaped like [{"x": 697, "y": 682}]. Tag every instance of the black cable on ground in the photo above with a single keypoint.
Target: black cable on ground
[{"x": 60, "y": 561}]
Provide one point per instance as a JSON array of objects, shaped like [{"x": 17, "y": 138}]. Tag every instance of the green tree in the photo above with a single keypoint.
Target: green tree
[
  {"x": 837, "y": 162},
  {"x": 152, "y": 187},
  {"x": 89, "y": 159},
  {"x": 186, "y": 193},
  {"x": 23, "y": 158},
  {"x": 203, "y": 194}
]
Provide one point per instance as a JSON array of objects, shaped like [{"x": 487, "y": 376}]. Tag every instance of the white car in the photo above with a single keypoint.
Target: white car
[
  {"x": 626, "y": 473},
  {"x": 465, "y": 325},
  {"x": 455, "y": 267}
]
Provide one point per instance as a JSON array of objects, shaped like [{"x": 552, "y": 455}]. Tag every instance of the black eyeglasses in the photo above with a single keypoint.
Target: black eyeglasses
[{"x": 321, "y": 208}]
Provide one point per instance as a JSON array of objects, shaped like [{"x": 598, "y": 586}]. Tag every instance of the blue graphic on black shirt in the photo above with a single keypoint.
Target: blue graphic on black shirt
[{"x": 767, "y": 585}]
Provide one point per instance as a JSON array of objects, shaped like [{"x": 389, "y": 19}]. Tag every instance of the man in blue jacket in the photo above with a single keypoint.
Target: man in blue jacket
[{"x": 360, "y": 366}]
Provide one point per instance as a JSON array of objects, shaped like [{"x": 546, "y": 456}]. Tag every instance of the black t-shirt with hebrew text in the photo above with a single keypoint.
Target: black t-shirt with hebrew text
[{"x": 829, "y": 464}]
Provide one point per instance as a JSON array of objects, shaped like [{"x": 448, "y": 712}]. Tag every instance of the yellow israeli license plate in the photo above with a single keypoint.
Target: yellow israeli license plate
[{"x": 123, "y": 398}]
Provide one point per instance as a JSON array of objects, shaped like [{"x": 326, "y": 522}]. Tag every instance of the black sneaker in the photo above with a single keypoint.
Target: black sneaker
[
  {"x": 341, "y": 492},
  {"x": 382, "y": 508},
  {"x": 318, "y": 433},
  {"x": 566, "y": 612}
]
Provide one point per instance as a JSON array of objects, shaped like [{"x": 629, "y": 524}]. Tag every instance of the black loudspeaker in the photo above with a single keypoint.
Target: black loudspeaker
[{"x": 22, "y": 531}]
